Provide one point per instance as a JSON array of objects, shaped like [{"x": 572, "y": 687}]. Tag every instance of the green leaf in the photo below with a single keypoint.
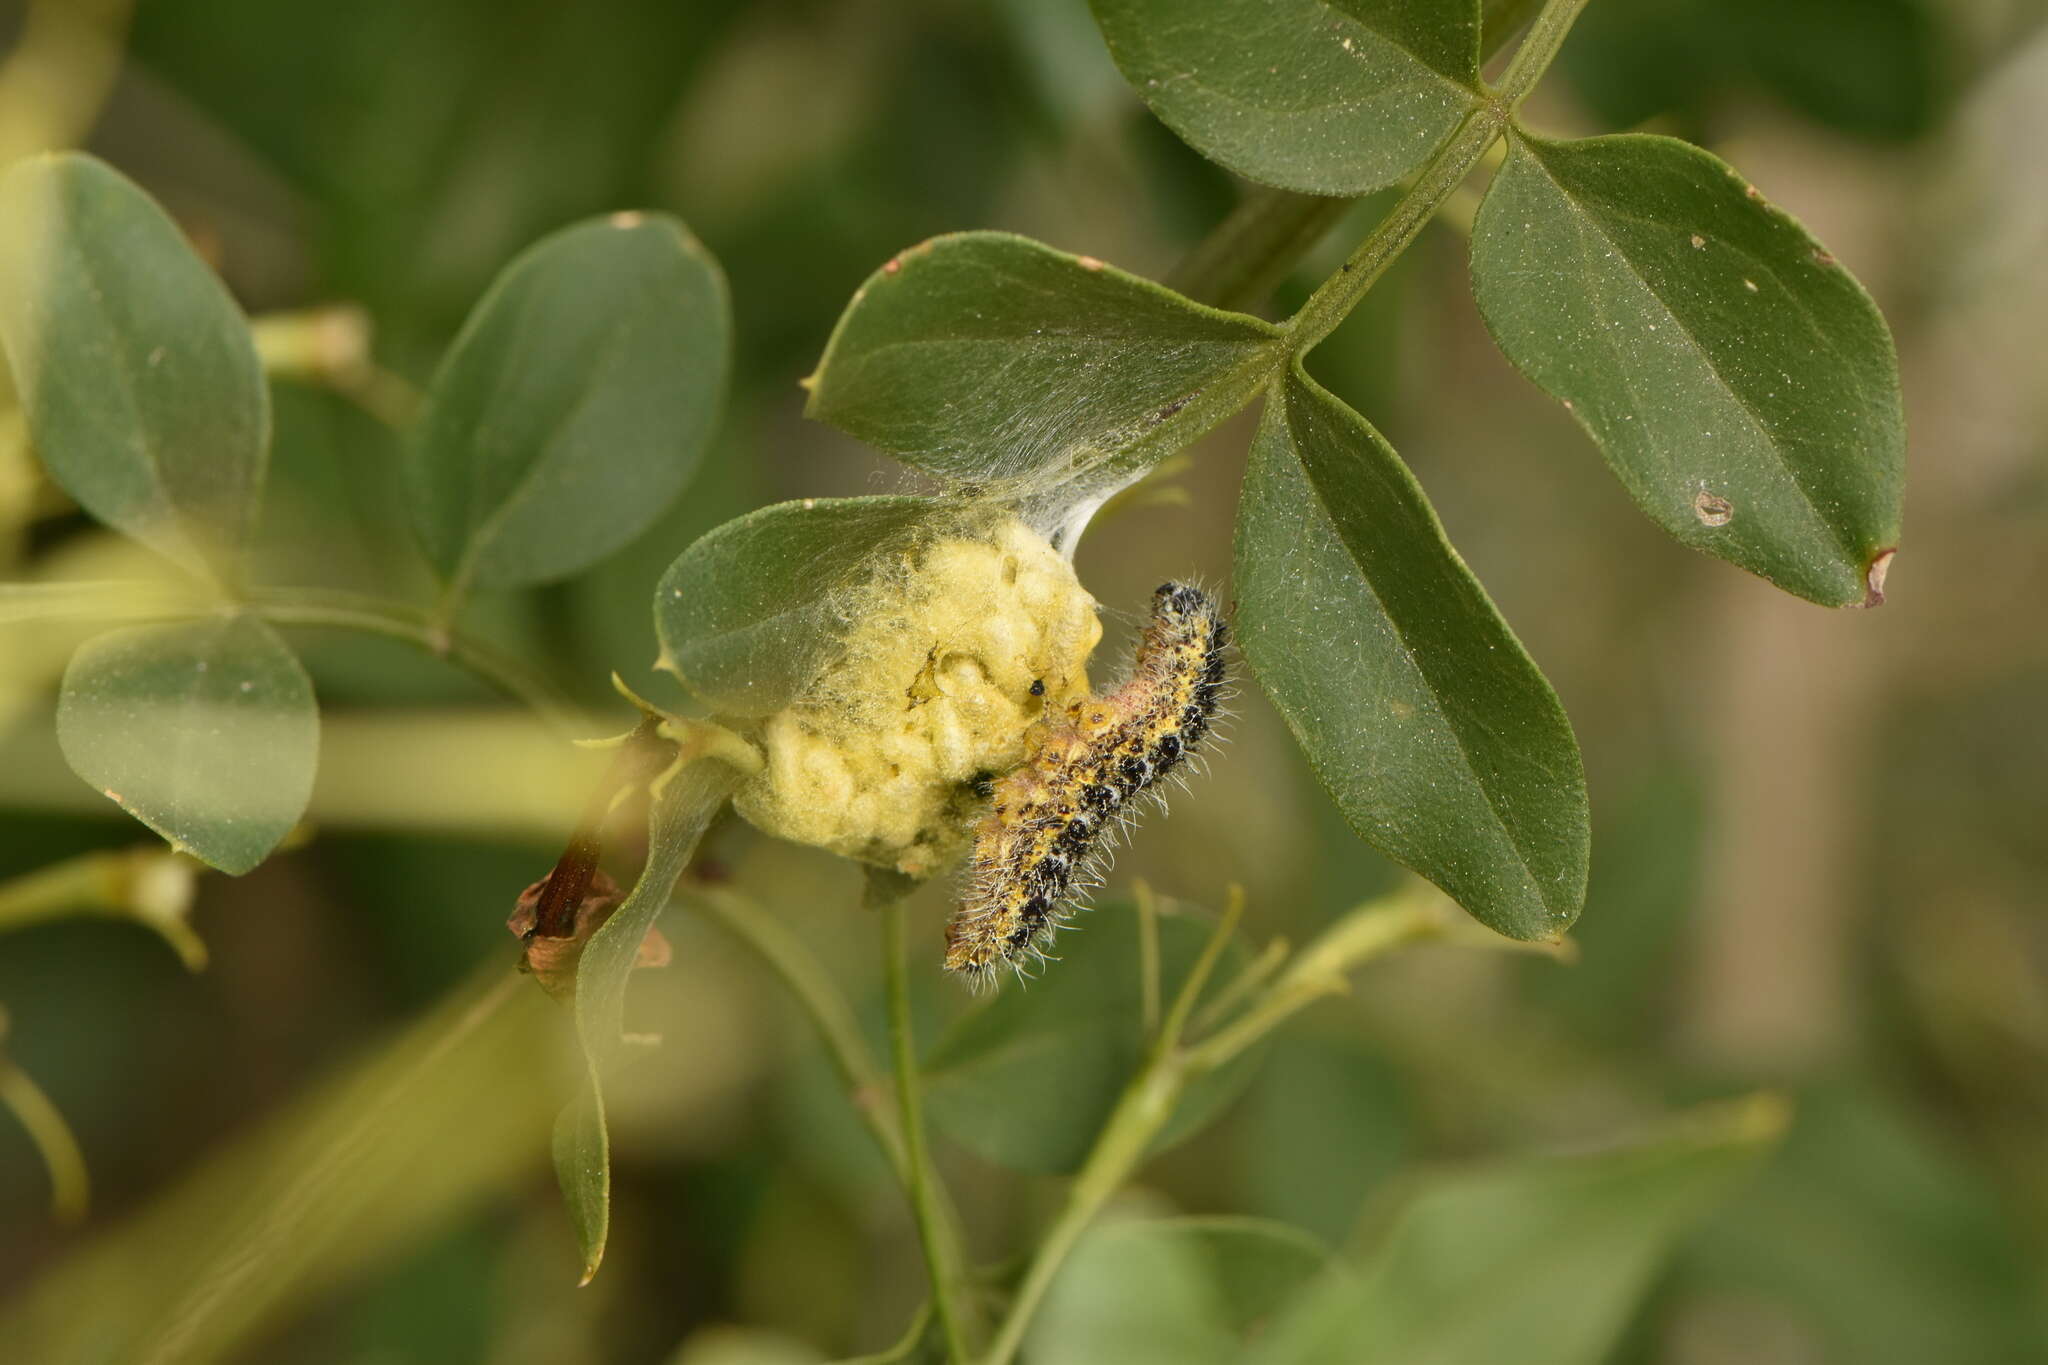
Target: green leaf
[
  {"x": 1326, "y": 1122},
  {"x": 205, "y": 731},
  {"x": 1336, "y": 97},
  {"x": 1029, "y": 1079},
  {"x": 142, "y": 388},
  {"x": 575, "y": 405},
  {"x": 745, "y": 616},
  {"x": 995, "y": 361},
  {"x": 1740, "y": 382},
  {"x": 1430, "y": 726},
  {"x": 1171, "y": 1291},
  {"x": 683, "y": 807},
  {"x": 1540, "y": 1262}
]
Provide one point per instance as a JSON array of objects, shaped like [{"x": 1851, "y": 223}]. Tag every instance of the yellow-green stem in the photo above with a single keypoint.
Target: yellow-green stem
[
  {"x": 944, "y": 1258},
  {"x": 1147, "y": 1103},
  {"x": 806, "y": 979},
  {"x": 70, "y": 1189},
  {"x": 375, "y": 616}
]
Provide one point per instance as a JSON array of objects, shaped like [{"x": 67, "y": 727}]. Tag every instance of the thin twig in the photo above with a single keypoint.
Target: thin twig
[
  {"x": 942, "y": 1255},
  {"x": 806, "y": 979},
  {"x": 375, "y": 616}
]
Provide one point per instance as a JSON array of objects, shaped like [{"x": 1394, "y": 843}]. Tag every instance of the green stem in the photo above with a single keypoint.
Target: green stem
[
  {"x": 1538, "y": 50},
  {"x": 1148, "y": 957},
  {"x": 151, "y": 885},
  {"x": 942, "y": 1252},
  {"x": 1247, "y": 254},
  {"x": 70, "y": 1187},
  {"x": 1369, "y": 931},
  {"x": 1336, "y": 296},
  {"x": 1147, "y": 1103},
  {"x": 1198, "y": 975},
  {"x": 912, "y": 1336},
  {"x": 375, "y": 616},
  {"x": 805, "y": 978}
]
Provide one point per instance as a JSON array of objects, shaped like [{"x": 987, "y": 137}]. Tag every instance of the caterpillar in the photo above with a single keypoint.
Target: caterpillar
[{"x": 1051, "y": 821}]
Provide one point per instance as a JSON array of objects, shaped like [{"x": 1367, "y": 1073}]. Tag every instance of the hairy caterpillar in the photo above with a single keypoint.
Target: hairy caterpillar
[{"x": 1046, "y": 835}]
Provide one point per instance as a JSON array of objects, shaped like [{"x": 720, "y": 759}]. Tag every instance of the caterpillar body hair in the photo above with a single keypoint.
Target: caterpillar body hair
[{"x": 1047, "y": 835}]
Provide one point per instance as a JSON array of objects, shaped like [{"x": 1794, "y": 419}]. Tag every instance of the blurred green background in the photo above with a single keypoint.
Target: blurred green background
[{"x": 1819, "y": 837}]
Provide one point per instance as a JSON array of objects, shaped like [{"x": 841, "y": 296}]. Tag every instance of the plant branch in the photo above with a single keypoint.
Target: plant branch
[
  {"x": 1538, "y": 50},
  {"x": 1336, "y": 296},
  {"x": 905, "y": 1345},
  {"x": 1334, "y": 299},
  {"x": 70, "y": 1186},
  {"x": 1255, "y": 246},
  {"x": 152, "y": 885},
  {"x": 1245, "y": 256},
  {"x": 375, "y": 616},
  {"x": 942, "y": 1251},
  {"x": 1149, "y": 1101},
  {"x": 1198, "y": 976}
]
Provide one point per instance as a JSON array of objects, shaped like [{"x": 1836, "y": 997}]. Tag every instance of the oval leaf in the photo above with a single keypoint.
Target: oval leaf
[
  {"x": 575, "y": 404},
  {"x": 1478, "y": 1264},
  {"x": 744, "y": 615},
  {"x": 1171, "y": 1291},
  {"x": 1028, "y": 1080},
  {"x": 1739, "y": 381},
  {"x": 993, "y": 360},
  {"x": 1430, "y": 726},
  {"x": 1336, "y": 97},
  {"x": 683, "y": 806},
  {"x": 142, "y": 388},
  {"x": 206, "y": 731}
]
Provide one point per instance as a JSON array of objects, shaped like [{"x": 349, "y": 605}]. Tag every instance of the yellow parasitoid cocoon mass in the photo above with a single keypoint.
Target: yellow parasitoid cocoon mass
[{"x": 953, "y": 648}]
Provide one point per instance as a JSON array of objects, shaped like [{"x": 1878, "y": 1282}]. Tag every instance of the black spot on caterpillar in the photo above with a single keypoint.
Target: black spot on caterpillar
[{"x": 1047, "y": 834}]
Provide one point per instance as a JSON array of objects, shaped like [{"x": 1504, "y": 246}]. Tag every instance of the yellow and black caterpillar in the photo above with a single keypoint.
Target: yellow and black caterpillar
[{"x": 1051, "y": 822}]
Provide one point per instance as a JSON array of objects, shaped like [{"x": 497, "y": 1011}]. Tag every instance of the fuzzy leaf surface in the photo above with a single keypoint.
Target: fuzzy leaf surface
[
  {"x": 995, "y": 361},
  {"x": 1337, "y": 97},
  {"x": 748, "y": 614}
]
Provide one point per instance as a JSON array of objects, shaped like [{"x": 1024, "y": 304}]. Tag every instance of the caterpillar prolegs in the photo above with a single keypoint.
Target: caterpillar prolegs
[{"x": 1051, "y": 822}]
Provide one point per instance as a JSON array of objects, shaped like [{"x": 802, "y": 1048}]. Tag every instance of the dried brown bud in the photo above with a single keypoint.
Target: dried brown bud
[{"x": 551, "y": 960}]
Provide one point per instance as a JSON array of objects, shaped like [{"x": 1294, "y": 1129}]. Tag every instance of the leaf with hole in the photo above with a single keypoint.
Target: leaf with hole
[
  {"x": 206, "y": 731},
  {"x": 1740, "y": 382},
  {"x": 1028, "y": 1080},
  {"x": 142, "y": 388},
  {"x": 575, "y": 404},
  {"x": 1337, "y": 97},
  {"x": 1420, "y": 712},
  {"x": 997, "y": 362}
]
